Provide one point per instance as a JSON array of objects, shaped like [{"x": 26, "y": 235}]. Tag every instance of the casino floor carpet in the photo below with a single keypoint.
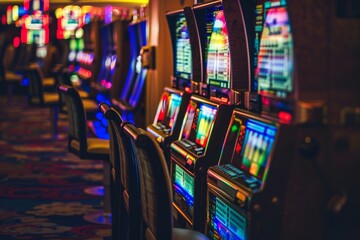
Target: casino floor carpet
[{"x": 41, "y": 184}]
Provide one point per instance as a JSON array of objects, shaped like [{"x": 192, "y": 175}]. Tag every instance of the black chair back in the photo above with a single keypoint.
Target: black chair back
[
  {"x": 35, "y": 89},
  {"x": 155, "y": 184},
  {"x": 77, "y": 140},
  {"x": 125, "y": 175}
]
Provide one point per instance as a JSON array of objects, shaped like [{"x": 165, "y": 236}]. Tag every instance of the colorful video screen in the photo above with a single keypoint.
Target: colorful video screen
[
  {"x": 199, "y": 121},
  {"x": 183, "y": 184},
  {"x": 168, "y": 109},
  {"x": 183, "y": 58},
  {"x": 253, "y": 146},
  {"x": 274, "y": 57},
  {"x": 218, "y": 53},
  {"x": 225, "y": 222}
]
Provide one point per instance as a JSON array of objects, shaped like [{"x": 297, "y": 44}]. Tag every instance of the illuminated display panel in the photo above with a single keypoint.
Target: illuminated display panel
[
  {"x": 273, "y": 50},
  {"x": 199, "y": 121},
  {"x": 183, "y": 58},
  {"x": 224, "y": 221},
  {"x": 168, "y": 109},
  {"x": 183, "y": 184},
  {"x": 218, "y": 55},
  {"x": 253, "y": 146}
]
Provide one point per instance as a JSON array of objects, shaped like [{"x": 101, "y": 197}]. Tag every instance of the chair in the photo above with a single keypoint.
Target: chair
[
  {"x": 155, "y": 188},
  {"x": 87, "y": 147},
  {"x": 38, "y": 97},
  {"x": 125, "y": 192}
]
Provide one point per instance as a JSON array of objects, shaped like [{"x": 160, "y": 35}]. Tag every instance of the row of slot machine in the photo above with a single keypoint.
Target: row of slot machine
[
  {"x": 108, "y": 65},
  {"x": 232, "y": 130}
]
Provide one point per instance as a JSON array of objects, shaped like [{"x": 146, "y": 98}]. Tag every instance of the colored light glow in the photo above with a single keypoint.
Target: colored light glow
[
  {"x": 79, "y": 33},
  {"x": 183, "y": 58},
  {"x": 168, "y": 109},
  {"x": 204, "y": 125},
  {"x": 225, "y": 222},
  {"x": 256, "y": 147},
  {"x": 284, "y": 117},
  {"x": 16, "y": 42},
  {"x": 218, "y": 58},
  {"x": 274, "y": 70},
  {"x": 8, "y": 15},
  {"x": 59, "y": 13},
  {"x": 15, "y": 13},
  {"x": 3, "y": 19},
  {"x": 184, "y": 181}
]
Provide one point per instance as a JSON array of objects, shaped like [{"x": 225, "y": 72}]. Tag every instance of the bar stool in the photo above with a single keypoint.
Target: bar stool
[
  {"x": 156, "y": 191},
  {"x": 87, "y": 147}
]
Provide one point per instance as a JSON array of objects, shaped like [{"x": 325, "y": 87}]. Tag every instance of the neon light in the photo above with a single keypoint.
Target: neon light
[
  {"x": 16, "y": 42},
  {"x": 284, "y": 117},
  {"x": 204, "y": 124}
]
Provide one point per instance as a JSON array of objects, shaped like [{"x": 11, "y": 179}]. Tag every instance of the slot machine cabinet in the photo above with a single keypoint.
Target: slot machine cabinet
[
  {"x": 246, "y": 191},
  {"x": 115, "y": 58},
  {"x": 197, "y": 149},
  {"x": 131, "y": 100},
  {"x": 224, "y": 43},
  {"x": 168, "y": 119},
  {"x": 174, "y": 100}
]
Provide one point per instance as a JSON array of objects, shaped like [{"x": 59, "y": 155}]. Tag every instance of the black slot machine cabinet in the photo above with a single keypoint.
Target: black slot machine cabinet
[
  {"x": 131, "y": 100},
  {"x": 198, "y": 147},
  {"x": 225, "y": 45},
  {"x": 220, "y": 78},
  {"x": 246, "y": 191},
  {"x": 174, "y": 100},
  {"x": 115, "y": 45}
]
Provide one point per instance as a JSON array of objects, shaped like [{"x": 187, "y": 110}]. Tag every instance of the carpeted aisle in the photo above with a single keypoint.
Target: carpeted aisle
[{"x": 41, "y": 184}]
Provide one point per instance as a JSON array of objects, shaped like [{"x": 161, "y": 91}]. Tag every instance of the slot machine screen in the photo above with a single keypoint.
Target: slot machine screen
[
  {"x": 253, "y": 147},
  {"x": 199, "y": 121},
  {"x": 183, "y": 184},
  {"x": 218, "y": 53},
  {"x": 168, "y": 109},
  {"x": 274, "y": 63},
  {"x": 183, "y": 58},
  {"x": 225, "y": 222}
]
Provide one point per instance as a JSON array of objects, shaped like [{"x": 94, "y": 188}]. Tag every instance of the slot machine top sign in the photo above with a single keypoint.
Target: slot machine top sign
[{"x": 275, "y": 60}]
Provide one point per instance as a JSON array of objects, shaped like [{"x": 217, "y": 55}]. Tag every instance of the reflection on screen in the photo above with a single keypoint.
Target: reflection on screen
[
  {"x": 205, "y": 121},
  {"x": 253, "y": 147},
  {"x": 225, "y": 222},
  {"x": 168, "y": 109},
  {"x": 184, "y": 184},
  {"x": 189, "y": 116},
  {"x": 275, "y": 60},
  {"x": 218, "y": 58},
  {"x": 183, "y": 59}
]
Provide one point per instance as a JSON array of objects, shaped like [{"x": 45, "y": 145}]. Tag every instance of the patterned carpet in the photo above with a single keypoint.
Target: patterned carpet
[{"x": 41, "y": 184}]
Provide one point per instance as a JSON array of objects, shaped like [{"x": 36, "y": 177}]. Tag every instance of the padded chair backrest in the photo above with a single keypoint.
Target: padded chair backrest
[
  {"x": 76, "y": 118},
  {"x": 155, "y": 185},
  {"x": 122, "y": 157},
  {"x": 35, "y": 90}
]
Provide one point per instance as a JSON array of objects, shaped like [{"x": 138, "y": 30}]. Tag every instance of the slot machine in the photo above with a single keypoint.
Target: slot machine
[
  {"x": 131, "y": 99},
  {"x": 205, "y": 122},
  {"x": 279, "y": 176},
  {"x": 246, "y": 191},
  {"x": 115, "y": 45},
  {"x": 174, "y": 100}
]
